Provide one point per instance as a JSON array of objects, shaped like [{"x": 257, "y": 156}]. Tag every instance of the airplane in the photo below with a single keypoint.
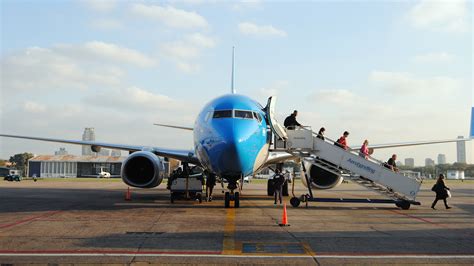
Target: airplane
[
  {"x": 102, "y": 174},
  {"x": 232, "y": 136}
]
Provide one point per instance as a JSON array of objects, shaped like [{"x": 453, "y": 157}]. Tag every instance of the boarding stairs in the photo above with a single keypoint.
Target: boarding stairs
[{"x": 369, "y": 173}]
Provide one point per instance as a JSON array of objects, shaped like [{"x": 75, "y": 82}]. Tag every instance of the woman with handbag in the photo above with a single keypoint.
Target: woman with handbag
[{"x": 441, "y": 192}]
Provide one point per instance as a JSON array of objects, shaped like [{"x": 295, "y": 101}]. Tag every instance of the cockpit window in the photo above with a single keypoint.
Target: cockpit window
[
  {"x": 243, "y": 114},
  {"x": 222, "y": 113}
]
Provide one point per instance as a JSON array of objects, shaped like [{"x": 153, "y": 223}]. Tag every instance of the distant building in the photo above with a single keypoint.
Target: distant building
[
  {"x": 455, "y": 174},
  {"x": 116, "y": 153},
  {"x": 461, "y": 150},
  {"x": 61, "y": 151},
  {"x": 410, "y": 162},
  {"x": 411, "y": 174},
  {"x": 441, "y": 159},
  {"x": 89, "y": 134},
  {"x": 73, "y": 166},
  {"x": 104, "y": 152},
  {"x": 429, "y": 162}
]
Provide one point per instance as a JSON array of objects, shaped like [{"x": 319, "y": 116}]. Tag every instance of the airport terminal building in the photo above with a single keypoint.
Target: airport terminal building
[{"x": 73, "y": 166}]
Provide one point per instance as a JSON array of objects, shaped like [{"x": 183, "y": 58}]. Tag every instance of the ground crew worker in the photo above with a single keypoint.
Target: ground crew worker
[
  {"x": 278, "y": 182},
  {"x": 290, "y": 122},
  {"x": 210, "y": 183}
]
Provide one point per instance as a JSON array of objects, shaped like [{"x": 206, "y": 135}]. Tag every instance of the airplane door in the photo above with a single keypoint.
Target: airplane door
[{"x": 278, "y": 129}]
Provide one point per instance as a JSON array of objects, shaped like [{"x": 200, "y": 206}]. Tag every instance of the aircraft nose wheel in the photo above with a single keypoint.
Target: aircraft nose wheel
[{"x": 229, "y": 196}]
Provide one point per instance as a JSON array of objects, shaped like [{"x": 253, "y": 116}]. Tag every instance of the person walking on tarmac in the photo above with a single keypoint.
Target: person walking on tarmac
[
  {"x": 278, "y": 182},
  {"x": 290, "y": 122},
  {"x": 441, "y": 192},
  {"x": 342, "y": 142},
  {"x": 210, "y": 183}
]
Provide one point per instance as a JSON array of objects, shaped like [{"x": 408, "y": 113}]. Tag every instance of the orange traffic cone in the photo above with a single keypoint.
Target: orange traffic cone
[
  {"x": 128, "y": 196},
  {"x": 284, "y": 219}
]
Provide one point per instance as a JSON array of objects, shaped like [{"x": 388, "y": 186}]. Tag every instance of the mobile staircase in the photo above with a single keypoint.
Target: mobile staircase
[{"x": 369, "y": 173}]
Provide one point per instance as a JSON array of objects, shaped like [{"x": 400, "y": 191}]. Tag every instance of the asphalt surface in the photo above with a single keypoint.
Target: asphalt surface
[{"x": 70, "y": 221}]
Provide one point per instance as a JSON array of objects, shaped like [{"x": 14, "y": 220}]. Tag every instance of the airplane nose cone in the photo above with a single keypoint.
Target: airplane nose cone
[{"x": 237, "y": 150}]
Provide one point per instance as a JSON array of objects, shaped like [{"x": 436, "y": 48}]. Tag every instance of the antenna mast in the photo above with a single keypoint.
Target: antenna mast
[{"x": 232, "y": 77}]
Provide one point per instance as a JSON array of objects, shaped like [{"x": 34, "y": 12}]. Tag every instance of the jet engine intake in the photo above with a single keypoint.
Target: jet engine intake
[
  {"x": 142, "y": 169},
  {"x": 320, "y": 178}
]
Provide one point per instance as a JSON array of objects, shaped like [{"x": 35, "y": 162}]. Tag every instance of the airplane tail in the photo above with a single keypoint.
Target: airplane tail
[
  {"x": 472, "y": 124},
  {"x": 232, "y": 77}
]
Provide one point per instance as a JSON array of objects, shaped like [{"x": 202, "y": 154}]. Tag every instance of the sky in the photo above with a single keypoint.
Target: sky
[{"x": 386, "y": 71}]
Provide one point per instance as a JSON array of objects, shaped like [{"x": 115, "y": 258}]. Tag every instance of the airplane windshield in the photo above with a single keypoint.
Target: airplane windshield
[
  {"x": 222, "y": 114},
  {"x": 243, "y": 114}
]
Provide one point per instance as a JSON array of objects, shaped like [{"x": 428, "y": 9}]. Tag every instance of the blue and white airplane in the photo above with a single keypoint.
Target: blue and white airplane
[{"x": 232, "y": 136}]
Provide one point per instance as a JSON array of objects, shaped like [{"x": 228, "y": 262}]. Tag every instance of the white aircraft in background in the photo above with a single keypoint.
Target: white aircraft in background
[{"x": 102, "y": 174}]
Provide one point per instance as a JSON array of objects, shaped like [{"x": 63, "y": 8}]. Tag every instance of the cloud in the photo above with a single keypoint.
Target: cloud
[
  {"x": 399, "y": 83},
  {"x": 96, "y": 50},
  {"x": 101, "y": 5},
  {"x": 135, "y": 99},
  {"x": 248, "y": 28},
  {"x": 106, "y": 24},
  {"x": 33, "y": 107},
  {"x": 186, "y": 51},
  {"x": 448, "y": 16},
  {"x": 36, "y": 69},
  {"x": 170, "y": 16},
  {"x": 247, "y": 4},
  {"x": 339, "y": 97},
  {"x": 434, "y": 58},
  {"x": 201, "y": 40}
]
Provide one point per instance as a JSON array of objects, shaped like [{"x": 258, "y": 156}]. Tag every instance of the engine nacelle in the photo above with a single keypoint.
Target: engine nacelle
[
  {"x": 320, "y": 178},
  {"x": 143, "y": 169}
]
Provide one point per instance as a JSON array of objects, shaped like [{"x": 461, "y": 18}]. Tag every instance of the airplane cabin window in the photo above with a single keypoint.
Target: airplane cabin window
[
  {"x": 222, "y": 114},
  {"x": 243, "y": 114}
]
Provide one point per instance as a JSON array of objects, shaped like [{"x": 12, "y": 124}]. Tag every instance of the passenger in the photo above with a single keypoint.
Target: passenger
[
  {"x": 321, "y": 133},
  {"x": 391, "y": 163},
  {"x": 278, "y": 182},
  {"x": 290, "y": 122},
  {"x": 342, "y": 142},
  {"x": 210, "y": 183},
  {"x": 364, "y": 150},
  {"x": 441, "y": 192}
]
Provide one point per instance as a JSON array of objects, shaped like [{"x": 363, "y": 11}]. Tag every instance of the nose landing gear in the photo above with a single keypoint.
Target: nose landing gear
[{"x": 232, "y": 196}]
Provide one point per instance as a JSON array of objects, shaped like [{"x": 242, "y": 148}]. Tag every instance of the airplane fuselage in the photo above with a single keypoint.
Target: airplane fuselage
[{"x": 231, "y": 137}]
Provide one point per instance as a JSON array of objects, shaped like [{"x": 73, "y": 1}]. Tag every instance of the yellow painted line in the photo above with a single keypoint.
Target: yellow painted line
[{"x": 229, "y": 246}]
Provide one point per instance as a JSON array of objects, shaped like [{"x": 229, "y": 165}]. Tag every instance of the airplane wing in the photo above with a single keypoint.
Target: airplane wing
[
  {"x": 172, "y": 126},
  {"x": 413, "y": 143},
  {"x": 182, "y": 155}
]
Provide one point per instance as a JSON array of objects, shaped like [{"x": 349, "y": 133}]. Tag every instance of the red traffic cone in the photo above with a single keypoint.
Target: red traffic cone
[
  {"x": 128, "y": 196},
  {"x": 284, "y": 219}
]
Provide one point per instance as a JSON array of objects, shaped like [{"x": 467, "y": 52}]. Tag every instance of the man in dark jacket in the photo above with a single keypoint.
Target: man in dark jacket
[
  {"x": 278, "y": 182},
  {"x": 290, "y": 122}
]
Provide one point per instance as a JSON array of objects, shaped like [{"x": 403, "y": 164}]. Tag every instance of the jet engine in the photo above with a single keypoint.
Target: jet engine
[
  {"x": 320, "y": 178},
  {"x": 142, "y": 169}
]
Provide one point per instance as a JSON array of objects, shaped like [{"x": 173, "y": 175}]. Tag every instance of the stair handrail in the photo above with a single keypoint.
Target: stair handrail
[{"x": 356, "y": 152}]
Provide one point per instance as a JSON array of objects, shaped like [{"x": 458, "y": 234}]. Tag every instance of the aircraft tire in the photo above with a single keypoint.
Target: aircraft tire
[
  {"x": 405, "y": 205},
  {"x": 227, "y": 199},
  {"x": 295, "y": 202},
  {"x": 236, "y": 200}
]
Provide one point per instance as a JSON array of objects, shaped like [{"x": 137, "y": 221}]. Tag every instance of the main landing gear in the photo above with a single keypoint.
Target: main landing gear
[{"x": 232, "y": 196}]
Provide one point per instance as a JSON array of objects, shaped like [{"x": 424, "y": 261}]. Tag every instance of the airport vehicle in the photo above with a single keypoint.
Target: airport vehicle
[
  {"x": 233, "y": 139},
  {"x": 12, "y": 178},
  {"x": 187, "y": 187}
]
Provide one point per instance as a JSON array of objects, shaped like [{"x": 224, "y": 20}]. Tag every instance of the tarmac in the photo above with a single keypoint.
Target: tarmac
[{"x": 66, "y": 221}]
